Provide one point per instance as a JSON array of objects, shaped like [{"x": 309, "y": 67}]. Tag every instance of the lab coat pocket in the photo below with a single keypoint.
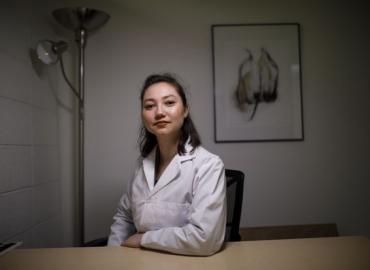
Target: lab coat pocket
[{"x": 161, "y": 214}]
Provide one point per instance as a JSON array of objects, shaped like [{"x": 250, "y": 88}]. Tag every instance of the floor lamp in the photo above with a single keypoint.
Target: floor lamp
[{"x": 81, "y": 20}]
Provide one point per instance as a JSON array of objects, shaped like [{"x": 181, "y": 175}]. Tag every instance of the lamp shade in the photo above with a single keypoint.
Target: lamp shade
[{"x": 49, "y": 52}]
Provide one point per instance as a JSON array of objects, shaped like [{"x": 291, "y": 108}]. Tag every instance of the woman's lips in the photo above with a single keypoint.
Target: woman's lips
[{"x": 161, "y": 123}]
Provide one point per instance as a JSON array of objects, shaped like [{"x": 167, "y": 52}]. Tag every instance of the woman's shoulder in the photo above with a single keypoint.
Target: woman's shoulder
[{"x": 203, "y": 155}]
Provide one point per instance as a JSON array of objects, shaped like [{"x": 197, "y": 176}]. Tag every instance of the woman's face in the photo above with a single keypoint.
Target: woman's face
[{"x": 163, "y": 111}]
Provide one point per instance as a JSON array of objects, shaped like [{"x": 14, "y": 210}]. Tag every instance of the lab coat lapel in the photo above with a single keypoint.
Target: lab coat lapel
[
  {"x": 169, "y": 174},
  {"x": 172, "y": 172},
  {"x": 149, "y": 169}
]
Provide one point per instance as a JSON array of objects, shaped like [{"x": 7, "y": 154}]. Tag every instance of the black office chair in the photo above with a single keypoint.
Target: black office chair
[{"x": 234, "y": 195}]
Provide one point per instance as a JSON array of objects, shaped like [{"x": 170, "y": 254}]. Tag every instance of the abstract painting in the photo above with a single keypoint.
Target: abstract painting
[{"x": 257, "y": 82}]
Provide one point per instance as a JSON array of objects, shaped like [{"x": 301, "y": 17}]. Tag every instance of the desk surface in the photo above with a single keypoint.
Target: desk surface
[{"x": 311, "y": 253}]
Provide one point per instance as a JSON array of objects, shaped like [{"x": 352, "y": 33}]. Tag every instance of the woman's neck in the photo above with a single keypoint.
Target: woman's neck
[{"x": 167, "y": 148}]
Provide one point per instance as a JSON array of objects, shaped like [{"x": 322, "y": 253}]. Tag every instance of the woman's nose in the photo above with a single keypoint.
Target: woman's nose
[{"x": 159, "y": 112}]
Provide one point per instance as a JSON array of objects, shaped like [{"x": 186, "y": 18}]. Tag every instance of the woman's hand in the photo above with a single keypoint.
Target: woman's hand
[{"x": 133, "y": 241}]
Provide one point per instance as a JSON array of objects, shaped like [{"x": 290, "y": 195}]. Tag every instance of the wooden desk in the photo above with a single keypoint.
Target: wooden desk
[{"x": 314, "y": 253}]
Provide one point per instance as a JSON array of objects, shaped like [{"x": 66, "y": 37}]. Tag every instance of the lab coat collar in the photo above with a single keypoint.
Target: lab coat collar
[{"x": 170, "y": 173}]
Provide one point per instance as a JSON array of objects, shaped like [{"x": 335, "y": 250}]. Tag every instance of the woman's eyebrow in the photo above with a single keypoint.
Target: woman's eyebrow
[
  {"x": 168, "y": 96},
  {"x": 153, "y": 99},
  {"x": 148, "y": 99}
]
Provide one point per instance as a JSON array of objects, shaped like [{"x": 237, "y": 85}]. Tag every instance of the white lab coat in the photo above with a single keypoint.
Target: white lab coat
[{"x": 184, "y": 213}]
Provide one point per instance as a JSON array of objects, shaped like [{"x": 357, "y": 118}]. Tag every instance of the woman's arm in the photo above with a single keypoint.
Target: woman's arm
[
  {"x": 123, "y": 225},
  {"x": 205, "y": 232}
]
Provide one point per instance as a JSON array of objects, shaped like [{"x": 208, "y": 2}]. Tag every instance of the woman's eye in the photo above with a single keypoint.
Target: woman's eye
[
  {"x": 170, "y": 102},
  {"x": 148, "y": 106}
]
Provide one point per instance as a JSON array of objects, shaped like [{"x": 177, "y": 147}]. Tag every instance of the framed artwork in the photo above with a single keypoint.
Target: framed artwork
[{"x": 257, "y": 82}]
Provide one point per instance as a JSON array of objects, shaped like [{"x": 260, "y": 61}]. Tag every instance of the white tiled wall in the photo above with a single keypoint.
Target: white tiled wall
[
  {"x": 30, "y": 185},
  {"x": 15, "y": 167},
  {"x": 15, "y": 122},
  {"x": 16, "y": 212}
]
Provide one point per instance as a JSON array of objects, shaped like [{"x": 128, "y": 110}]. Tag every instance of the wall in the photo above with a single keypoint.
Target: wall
[
  {"x": 325, "y": 178},
  {"x": 32, "y": 186}
]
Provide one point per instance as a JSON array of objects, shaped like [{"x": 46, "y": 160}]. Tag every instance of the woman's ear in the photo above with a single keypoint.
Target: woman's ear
[{"x": 186, "y": 113}]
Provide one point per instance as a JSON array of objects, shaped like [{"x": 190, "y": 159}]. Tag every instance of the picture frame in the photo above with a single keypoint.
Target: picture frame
[{"x": 257, "y": 82}]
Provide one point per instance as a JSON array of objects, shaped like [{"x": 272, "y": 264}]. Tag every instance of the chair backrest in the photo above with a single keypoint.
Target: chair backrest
[{"x": 234, "y": 194}]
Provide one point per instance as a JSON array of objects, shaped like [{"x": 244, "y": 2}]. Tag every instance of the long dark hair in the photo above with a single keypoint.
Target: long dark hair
[{"x": 147, "y": 141}]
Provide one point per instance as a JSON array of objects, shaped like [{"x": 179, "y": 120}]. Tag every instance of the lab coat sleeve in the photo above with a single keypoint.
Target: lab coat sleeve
[
  {"x": 205, "y": 232},
  {"x": 123, "y": 225}
]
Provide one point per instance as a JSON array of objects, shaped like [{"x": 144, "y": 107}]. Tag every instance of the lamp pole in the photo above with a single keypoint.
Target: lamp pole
[
  {"x": 81, "y": 38},
  {"x": 81, "y": 20}
]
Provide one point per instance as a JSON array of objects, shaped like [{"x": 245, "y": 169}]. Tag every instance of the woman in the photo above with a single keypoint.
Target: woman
[{"x": 176, "y": 201}]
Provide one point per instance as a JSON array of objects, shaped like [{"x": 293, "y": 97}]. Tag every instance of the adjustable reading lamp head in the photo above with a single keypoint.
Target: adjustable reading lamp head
[{"x": 49, "y": 52}]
